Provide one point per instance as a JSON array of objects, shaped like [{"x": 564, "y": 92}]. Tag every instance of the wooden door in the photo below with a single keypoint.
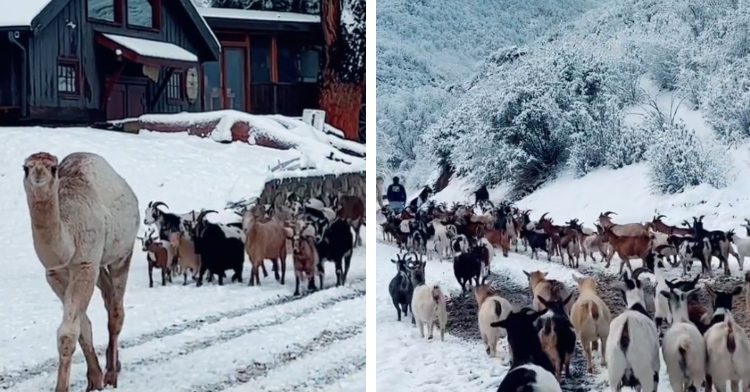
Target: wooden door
[
  {"x": 136, "y": 100},
  {"x": 116, "y": 105}
]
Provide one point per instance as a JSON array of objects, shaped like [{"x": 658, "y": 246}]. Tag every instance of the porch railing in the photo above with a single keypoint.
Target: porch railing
[{"x": 288, "y": 99}]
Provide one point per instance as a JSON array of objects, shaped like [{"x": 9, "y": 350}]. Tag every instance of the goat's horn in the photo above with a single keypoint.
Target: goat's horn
[
  {"x": 658, "y": 217},
  {"x": 543, "y": 215},
  {"x": 701, "y": 218},
  {"x": 203, "y": 214},
  {"x": 608, "y": 213},
  {"x": 157, "y": 204},
  {"x": 639, "y": 271}
]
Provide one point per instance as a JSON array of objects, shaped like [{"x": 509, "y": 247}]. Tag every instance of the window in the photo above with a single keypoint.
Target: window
[
  {"x": 211, "y": 89},
  {"x": 260, "y": 59},
  {"x": 234, "y": 76},
  {"x": 103, "y": 10},
  {"x": 67, "y": 77},
  {"x": 141, "y": 13},
  {"x": 309, "y": 65},
  {"x": 174, "y": 89}
]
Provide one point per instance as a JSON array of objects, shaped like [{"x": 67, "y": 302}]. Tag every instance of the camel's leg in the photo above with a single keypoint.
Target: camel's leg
[
  {"x": 59, "y": 282},
  {"x": 112, "y": 285},
  {"x": 75, "y": 302}
]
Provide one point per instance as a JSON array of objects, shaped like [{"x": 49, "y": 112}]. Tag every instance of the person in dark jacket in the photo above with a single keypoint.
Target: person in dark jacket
[
  {"x": 481, "y": 195},
  {"x": 396, "y": 195}
]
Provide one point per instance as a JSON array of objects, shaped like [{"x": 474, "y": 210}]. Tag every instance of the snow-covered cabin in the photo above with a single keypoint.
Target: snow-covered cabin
[
  {"x": 83, "y": 61},
  {"x": 269, "y": 64}
]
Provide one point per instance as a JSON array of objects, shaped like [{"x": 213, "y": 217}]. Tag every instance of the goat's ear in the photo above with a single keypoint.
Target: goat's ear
[
  {"x": 542, "y": 300},
  {"x": 737, "y": 290},
  {"x": 576, "y": 279},
  {"x": 666, "y": 294},
  {"x": 499, "y": 324},
  {"x": 528, "y": 275},
  {"x": 566, "y": 300},
  {"x": 544, "y": 274}
]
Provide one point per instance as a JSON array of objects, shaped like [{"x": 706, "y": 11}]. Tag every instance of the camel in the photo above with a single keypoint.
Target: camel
[{"x": 84, "y": 221}]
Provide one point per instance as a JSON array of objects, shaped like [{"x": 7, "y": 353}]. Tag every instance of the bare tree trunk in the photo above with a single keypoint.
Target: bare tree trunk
[{"x": 340, "y": 100}]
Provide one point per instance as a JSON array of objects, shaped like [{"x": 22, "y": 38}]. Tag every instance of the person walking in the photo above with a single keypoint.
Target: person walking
[{"x": 396, "y": 196}]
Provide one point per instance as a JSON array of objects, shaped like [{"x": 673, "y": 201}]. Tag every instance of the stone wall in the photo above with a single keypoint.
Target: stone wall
[{"x": 315, "y": 186}]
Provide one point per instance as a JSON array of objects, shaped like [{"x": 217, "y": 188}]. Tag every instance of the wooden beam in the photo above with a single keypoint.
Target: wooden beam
[
  {"x": 160, "y": 90},
  {"x": 111, "y": 86}
]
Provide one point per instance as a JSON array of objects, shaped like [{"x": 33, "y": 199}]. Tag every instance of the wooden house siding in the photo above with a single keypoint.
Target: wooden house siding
[{"x": 59, "y": 40}]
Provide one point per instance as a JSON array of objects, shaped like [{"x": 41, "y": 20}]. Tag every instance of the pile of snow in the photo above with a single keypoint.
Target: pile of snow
[{"x": 206, "y": 336}]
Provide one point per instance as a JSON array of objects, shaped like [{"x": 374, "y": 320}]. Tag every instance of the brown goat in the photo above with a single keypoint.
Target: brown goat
[
  {"x": 551, "y": 290},
  {"x": 188, "y": 259},
  {"x": 657, "y": 225},
  {"x": 628, "y": 229},
  {"x": 553, "y": 232},
  {"x": 590, "y": 317},
  {"x": 157, "y": 257},
  {"x": 306, "y": 259},
  {"x": 498, "y": 239},
  {"x": 265, "y": 240},
  {"x": 627, "y": 248},
  {"x": 351, "y": 208},
  {"x": 571, "y": 242}
]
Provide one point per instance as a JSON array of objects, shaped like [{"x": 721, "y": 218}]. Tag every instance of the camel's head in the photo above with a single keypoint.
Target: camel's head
[{"x": 40, "y": 171}]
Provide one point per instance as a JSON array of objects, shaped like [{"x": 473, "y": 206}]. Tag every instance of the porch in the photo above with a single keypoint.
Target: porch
[{"x": 266, "y": 67}]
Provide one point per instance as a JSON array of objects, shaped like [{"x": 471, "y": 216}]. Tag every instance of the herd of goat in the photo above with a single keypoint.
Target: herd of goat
[
  {"x": 702, "y": 347},
  {"x": 312, "y": 231}
]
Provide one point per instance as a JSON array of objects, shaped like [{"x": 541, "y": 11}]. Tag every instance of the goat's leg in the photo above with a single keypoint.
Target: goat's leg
[
  {"x": 321, "y": 273},
  {"x": 150, "y": 275},
  {"x": 339, "y": 272},
  {"x": 164, "y": 272},
  {"x": 282, "y": 261},
  {"x": 296, "y": 283},
  {"x": 311, "y": 281},
  {"x": 59, "y": 282},
  {"x": 112, "y": 284}
]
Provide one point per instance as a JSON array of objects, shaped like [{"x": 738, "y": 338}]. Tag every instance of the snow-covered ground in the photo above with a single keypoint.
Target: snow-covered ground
[{"x": 177, "y": 338}]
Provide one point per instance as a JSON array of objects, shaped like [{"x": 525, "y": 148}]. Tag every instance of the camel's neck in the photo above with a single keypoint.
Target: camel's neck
[{"x": 45, "y": 218}]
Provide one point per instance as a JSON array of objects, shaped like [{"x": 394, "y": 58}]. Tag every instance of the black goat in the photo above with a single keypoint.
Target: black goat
[
  {"x": 336, "y": 244},
  {"x": 537, "y": 241},
  {"x": 220, "y": 247},
  {"x": 528, "y": 357},
  {"x": 557, "y": 336},
  {"x": 719, "y": 243},
  {"x": 401, "y": 287},
  {"x": 468, "y": 266}
]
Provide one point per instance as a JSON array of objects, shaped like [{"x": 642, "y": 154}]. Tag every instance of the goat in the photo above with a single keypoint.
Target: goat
[
  {"x": 590, "y": 317},
  {"x": 628, "y": 229},
  {"x": 460, "y": 244},
  {"x": 305, "y": 256},
  {"x": 336, "y": 244},
  {"x": 683, "y": 347},
  {"x": 662, "y": 227},
  {"x": 157, "y": 257},
  {"x": 401, "y": 287},
  {"x": 691, "y": 249},
  {"x": 419, "y": 242},
  {"x": 220, "y": 247},
  {"x": 596, "y": 241},
  {"x": 352, "y": 209},
  {"x": 538, "y": 241},
  {"x": 492, "y": 307},
  {"x": 551, "y": 290},
  {"x": 571, "y": 242},
  {"x": 442, "y": 242},
  {"x": 727, "y": 348},
  {"x": 428, "y": 307},
  {"x": 633, "y": 343},
  {"x": 720, "y": 246},
  {"x": 742, "y": 244},
  {"x": 553, "y": 232},
  {"x": 638, "y": 246},
  {"x": 531, "y": 368},
  {"x": 166, "y": 223},
  {"x": 264, "y": 240},
  {"x": 188, "y": 259},
  {"x": 557, "y": 336},
  {"x": 467, "y": 266}
]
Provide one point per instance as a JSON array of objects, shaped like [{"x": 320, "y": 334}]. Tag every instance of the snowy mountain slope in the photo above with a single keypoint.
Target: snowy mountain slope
[
  {"x": 581, "y": 83},
  {"x": 176, "y": 338},
  {"x": 425, "y": 47}
]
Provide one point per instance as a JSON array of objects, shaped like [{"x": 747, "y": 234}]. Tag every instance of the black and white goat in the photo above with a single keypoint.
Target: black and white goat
[
  {"x": 221, "y": 248},
  {"x": 401, "y": 287},
  {"x": 633, "y": 343},
  {"x": 726, "y": 344},
  {"x": 683, "y": 347},
  {"x": 336, "y": 243},
  {"x": 468, "y": 266},
  {"x": 531, "y": 369}
]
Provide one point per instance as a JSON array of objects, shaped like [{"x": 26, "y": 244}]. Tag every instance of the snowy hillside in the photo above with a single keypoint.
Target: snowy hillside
[
  {"x": 423, "y": 48},
  {"x": 564, "y": 102},
  {"x": 175, "y": 338}
]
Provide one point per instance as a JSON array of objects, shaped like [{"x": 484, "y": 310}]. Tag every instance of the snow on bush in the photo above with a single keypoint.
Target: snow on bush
[{"x": 680, "y": 160}]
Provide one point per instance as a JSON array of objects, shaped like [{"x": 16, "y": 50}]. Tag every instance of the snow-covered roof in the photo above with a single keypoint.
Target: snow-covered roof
[
  {"x": 153, "y": 49},
  {"x": 20, "y": 13},
  {"x": 229, "y": 13}
]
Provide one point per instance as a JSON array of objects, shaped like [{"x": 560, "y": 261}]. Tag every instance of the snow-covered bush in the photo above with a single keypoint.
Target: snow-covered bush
[
  {"x": 680, "y": 160},
  {"x": 728, "y": 102}
]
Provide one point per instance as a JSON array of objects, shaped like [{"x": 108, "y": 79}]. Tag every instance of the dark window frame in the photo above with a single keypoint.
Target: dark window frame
[
  {"x": 118, "y": 16},
  {"x": 179, "y": 89},
  {"x": 155, "y": 16},
  {"x": 75, "y": 64}
]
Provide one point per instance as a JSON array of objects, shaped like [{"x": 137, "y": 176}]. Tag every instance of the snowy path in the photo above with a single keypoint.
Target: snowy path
[{"x": 177, "y": 338}]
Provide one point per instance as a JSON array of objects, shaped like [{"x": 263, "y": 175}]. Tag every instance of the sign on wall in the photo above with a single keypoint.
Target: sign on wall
[{"x": 191, "y": 85}]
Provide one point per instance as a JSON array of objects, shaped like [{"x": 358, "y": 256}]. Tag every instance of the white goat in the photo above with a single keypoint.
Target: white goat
[
  {"x": 596, "y": 242},
  {"x": 728, "y": 351},
  {"x": 441, "y": 241},
  {"x": 633, "y": 343},
  {"x": 492, "y": 308},
  {"x": 661, "y": 239},
  {"x": 428, "y": 307},
  {"x": 683, "y": 347},
  {"x": 742, "y": 244}
]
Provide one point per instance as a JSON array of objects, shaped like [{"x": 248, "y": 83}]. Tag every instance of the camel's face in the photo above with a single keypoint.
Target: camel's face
[{"x": 40, "y": 170}]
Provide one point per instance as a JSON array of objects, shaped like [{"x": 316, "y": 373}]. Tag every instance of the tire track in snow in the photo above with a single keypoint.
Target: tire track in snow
[
  {"x": 259, "y": 370},
  {"x": 11, "y": 379}
]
